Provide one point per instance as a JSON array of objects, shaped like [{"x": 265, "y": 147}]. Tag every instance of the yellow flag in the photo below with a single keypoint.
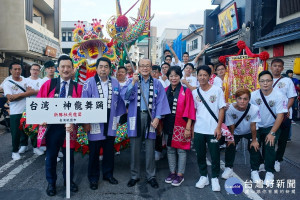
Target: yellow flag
[
  {"x": 118, "y": 8},
  {"x": 146, "y": 7}
]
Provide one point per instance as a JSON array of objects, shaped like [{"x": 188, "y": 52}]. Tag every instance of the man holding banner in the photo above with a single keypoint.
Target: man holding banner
[
  {"x": 61, "y": 87},
  {"x": 103, "y": 134}
]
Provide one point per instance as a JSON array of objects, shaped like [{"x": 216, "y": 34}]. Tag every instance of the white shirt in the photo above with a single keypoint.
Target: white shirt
[
  {"x": 123, "y": 83},
  {"x": 35, "y": 84},
  {"x": 67, "y": 86},
  {"x": 104, "y": 85},
  {"x": 45, "y": 79},
  {"x": 7, "y": 78},
  {"x": 214, "y": 97},
  {"x": 191, "y": 80},
  {"x": 181, "y": 64},
  {"x": 233, "y": 116},
  {"x": 16, "y": 107},
  {"x": 277, "y": 103},
  {"x": 165, "y": 83},
  {"x": 287, "y": 88},
  {"x": 218, "y": 82},
  {"x": 173, "y": 63}
]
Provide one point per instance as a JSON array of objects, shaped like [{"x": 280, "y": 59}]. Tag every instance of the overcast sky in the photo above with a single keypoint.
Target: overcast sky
[{"x": 168, "y": 13}]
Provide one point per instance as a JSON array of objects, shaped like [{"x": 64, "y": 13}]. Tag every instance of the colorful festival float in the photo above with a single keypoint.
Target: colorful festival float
[
  {"x": 91, "y": 45},
  {"x": 242, "y": 70}
]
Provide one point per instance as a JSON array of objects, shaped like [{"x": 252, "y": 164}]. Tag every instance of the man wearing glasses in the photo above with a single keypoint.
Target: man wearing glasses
[
  {"x": 141, "y": 127},
  {"x": 272, "y": 106},
  {"x": 34, "y": 81}
]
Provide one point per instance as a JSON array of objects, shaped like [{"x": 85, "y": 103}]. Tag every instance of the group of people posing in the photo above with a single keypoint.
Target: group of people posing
[{"x": 169, "y": 101}]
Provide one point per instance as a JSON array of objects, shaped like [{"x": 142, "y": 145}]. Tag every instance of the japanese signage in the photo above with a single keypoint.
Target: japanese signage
[{"x": 66, "y": 110}]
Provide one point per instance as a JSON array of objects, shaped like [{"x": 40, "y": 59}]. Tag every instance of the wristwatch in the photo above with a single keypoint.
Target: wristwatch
[{"x": 272, "y": 133}]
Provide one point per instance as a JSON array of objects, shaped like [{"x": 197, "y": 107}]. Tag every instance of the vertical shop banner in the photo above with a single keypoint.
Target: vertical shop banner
[{"x": 242, "y": 73}]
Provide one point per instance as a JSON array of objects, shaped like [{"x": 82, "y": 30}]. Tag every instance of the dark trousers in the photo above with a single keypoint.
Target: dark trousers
[
  {"x": 55, "y": 137},
  {"x": 268, "y": 152},
  {"x": 18, "y": 137},
  {"x": 200, "y": 141},
  {"x": 231, "y": 149},
  {"x": 282, "y": 140},
  {"x": 107, "y": 162}
]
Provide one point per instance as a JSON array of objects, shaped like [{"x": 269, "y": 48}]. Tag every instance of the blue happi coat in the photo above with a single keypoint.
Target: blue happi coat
[
  {"x": 160, "y": 107},
  {"x": 90, "y": 90}
]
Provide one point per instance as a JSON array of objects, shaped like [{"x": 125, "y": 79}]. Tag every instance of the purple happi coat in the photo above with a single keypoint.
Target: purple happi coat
[
  {"x": 90, "y": 90},
  {"x": 160, "y": 107}
]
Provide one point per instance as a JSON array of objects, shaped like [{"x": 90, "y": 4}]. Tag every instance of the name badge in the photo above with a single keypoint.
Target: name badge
[{"x": 95, "y": 129}]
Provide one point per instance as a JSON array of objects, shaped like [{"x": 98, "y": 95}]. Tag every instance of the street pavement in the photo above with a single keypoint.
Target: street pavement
[{"x": 25, "y": 179}]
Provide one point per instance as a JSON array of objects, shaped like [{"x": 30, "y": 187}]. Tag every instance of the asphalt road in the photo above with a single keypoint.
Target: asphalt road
[{"x": 25, "y": 179}]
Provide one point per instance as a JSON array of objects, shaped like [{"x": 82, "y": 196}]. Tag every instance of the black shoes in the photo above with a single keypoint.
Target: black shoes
[
  {"x": 132, "y": 182},
  {"x": 73, "y": 186},
  {"x": 153, "y": 183},
  {"x": 111, "y": 180},
  {"x": 94, "y": 185},
  {"x": 51, "y": 190}
]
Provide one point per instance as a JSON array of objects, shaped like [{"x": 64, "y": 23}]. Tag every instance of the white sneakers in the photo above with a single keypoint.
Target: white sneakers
[
  {"x": 255, "y": 177},
  {"x": 37, "y": 151},
  {"x": 23, "y": 149},
  {"x": 203, "y": 181},
  {"x": 228, "y": 172},
  {"x": 43, "y": 148},
  {"x": 269, "y": 179},
  {"x": 277, "y": 166},
  {"x": 215, "y": 186},
  {"x": 261, "y": 168},
  {"x": 16, "y": 156}
]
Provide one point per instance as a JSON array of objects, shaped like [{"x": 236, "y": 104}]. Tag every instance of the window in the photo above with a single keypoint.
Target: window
[
  {"x": 288, "y": 7},
  {"x": 37, "y": 19},
  {"x": 69, "y": 36},
  {"x": 63, "y": 36},
  {"x": 194, "y": 45}
]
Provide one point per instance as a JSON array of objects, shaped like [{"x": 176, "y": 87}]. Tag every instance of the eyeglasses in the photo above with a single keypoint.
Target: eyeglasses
[
  {"x": 37, "y": 70},
  {"x": 266, "y": 81},
  {"x": 144, "y": 66}
]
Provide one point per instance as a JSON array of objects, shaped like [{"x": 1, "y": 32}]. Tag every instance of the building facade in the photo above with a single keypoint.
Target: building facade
[
  {"x": 168, "y": 35},
  {"x": 278, "y": 30},
  {"x": 194, "y": 41},
  {"x": 67, "y": 40},
  {"x": 30, "y": 32},
  {"x": 228, "y": 23}
]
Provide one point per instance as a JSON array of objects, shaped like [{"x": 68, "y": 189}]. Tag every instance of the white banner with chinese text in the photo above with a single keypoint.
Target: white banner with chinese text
[{"x": 66, "y": 110}]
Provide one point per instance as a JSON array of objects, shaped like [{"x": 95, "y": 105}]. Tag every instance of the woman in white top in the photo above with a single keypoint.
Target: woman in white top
[{"x": 188, "y": 80}]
